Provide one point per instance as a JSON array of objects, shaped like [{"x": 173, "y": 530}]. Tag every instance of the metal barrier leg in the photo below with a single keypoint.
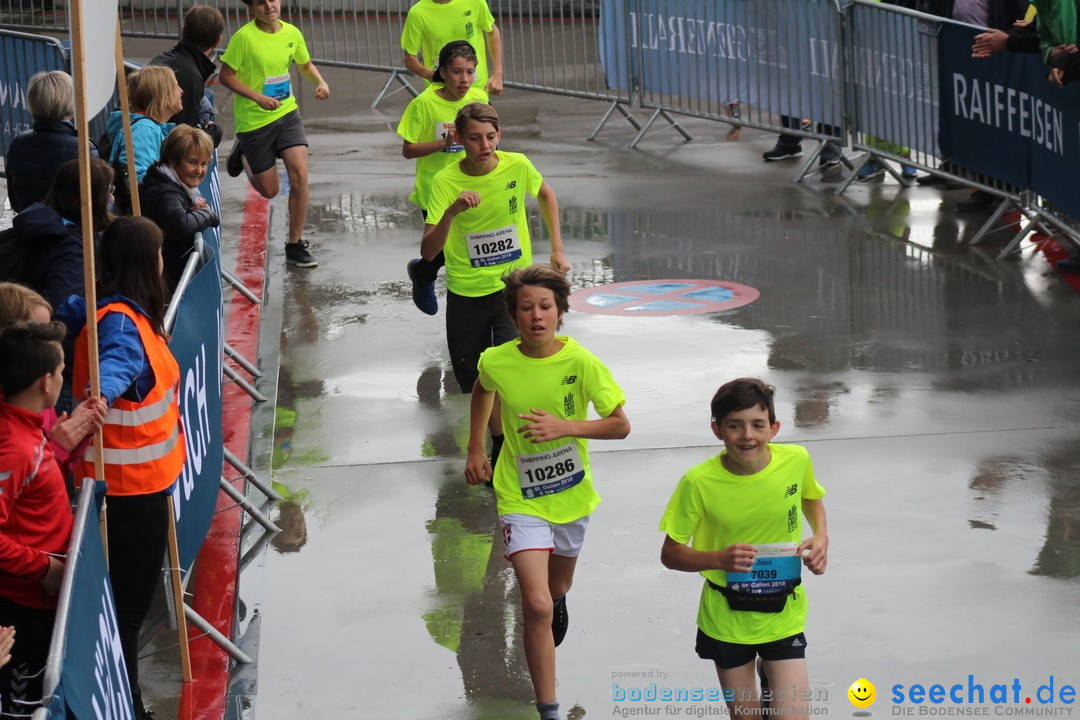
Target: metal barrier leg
[
  {"x": 250, "y": 476},
  {"x": 238, "y": 286},
  {"x": 242, "y": 362},
  {"x": 244, "y": 384},
  {"x": 399, "y": 76},
  {"x": 220, "y": 640},
  {"x": 988, "y": 226},
  {"x": 249, "y": 508},
  {"x": 855, "y": 168},
  {"x": 615, "y": 105},
  {"x": 672, "y": 124}
]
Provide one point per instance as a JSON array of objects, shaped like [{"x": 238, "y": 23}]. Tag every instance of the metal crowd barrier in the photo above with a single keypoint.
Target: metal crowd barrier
[{"x": 774, "y": 62}]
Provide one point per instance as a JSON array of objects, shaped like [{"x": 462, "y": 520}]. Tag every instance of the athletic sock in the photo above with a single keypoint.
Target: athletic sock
[{"x": 548, "y": 711}]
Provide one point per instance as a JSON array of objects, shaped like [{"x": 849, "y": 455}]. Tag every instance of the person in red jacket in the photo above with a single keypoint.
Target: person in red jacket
[{"x": 35, "y": 516}]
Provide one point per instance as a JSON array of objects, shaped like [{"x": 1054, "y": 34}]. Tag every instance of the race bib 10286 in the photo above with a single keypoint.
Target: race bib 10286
[{"x": 549, "y": 472}]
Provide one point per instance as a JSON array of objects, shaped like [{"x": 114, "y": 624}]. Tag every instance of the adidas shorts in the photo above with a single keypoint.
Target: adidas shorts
[
  {"x": 732, "y": 655},
  {"x": 529, "y": 532}
]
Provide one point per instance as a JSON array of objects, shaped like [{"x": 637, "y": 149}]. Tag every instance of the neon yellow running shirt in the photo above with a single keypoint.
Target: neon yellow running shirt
[
  {"x": 425, "y": 119},
  {"x": 430, "y": 25},
  {"x": 713, "y": 508},
  {"x": 551, "y": 480},
  {"x": 487, "y": 241},
  {"x": 262, "y": 61}
]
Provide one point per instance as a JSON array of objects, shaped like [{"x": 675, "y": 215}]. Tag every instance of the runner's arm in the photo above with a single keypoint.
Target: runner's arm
[
  {"x": 734, "y": 558},
  {"x": 413, "y": 65},
  {"x": 477, "y": 466},
  {"x": 413, "y": 150},
  {"x": 818, "y": 543},
  {"x": 228, "y": 78},
  {"x": 434, "y": 239},
  {"x": 308, "y": 70},
  {"x": 549, "y": 210},
  {"x": 544, "y": 427},
  {"x": 494, "y": 42}
]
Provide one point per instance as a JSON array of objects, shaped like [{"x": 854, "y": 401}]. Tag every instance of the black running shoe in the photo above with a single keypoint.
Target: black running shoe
[
  {"x": 560, "y": 621},
  {"x": 235, "y": 164},
  {"x": 297, "y": 254}
]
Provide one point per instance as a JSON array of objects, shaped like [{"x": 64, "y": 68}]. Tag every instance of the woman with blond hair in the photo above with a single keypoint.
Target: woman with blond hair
[
  {"x": 155, "y": 96},
  {"x": 35, "y": 155},
  {"x": 170, "y": 196}
]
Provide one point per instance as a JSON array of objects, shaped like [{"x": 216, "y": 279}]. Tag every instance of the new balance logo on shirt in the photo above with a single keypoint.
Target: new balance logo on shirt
[{"x": 569, "y": 380}]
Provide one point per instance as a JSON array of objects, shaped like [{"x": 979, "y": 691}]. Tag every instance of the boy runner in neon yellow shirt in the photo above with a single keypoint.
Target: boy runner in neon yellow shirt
[
  {"x": 737, "y": 519},
  {"x": 543, "y": 482},
  {"x": 431, "y": 24},
  {"x": 255, "y": 67},
  {"x": 477, "y": 216},
  {"x": 428, "y": 135}
]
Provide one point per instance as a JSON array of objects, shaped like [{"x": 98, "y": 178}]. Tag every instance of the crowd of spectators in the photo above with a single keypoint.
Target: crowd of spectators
[{"x": 44, "y": 357}]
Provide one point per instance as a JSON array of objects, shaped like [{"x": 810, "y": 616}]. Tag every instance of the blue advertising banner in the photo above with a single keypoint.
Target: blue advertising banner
[
  {"x": 198, "y": 346},
  {"x": 777, "y": 55},
  {"x": 895, "y": 72},
  {"x": 995, "y": 110},
  {"x": 21, "y": 56},
  {"x": 93, "y": 679}
]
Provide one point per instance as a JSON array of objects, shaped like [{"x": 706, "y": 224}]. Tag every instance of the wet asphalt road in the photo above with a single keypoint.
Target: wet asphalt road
[{"x": 935, "y": 387}]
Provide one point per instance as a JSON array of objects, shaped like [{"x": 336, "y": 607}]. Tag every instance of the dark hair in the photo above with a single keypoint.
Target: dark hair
[
  {"x": 203, "y": 25},
  {"x": 539, "y": 276},
  {"x": 451, "y": 50},
  {"x": 129, "y": 257},
  {"x": 27, "y": 352},
  {"x": 478, "y": 111},
  {"x": 64, "y": 196},
  {"x": 742, "y": 394}
]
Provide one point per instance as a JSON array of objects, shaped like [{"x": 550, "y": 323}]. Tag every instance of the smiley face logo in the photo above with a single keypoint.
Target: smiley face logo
[{"x": 862, "y": 693}]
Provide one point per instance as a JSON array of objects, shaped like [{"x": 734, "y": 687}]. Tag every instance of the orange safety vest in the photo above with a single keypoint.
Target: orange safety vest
[{"x": 143, "y": 442}]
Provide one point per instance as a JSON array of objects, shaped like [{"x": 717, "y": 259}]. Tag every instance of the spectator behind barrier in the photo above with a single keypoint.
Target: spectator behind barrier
[
  {"x": 190, "y": 60},
  {"x": 54, "y": 266},
  {"x": 170, "y": 196},
  {"x": 35, "y": 516},
  {"x": 142, "y": 437},
  {"x": 155, "y": 96},
  {"x": 35, "y": 155},
  {"x": 68, "y": 436},
  {"x": 996, "y": 14}
]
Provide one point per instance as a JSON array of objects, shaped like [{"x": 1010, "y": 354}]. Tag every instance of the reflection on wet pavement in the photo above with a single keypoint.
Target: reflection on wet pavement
[{"x": 934, "y": 385}]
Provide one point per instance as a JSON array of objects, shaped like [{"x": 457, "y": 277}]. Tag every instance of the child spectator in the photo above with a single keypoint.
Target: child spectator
[
  {"x": 255, "y": 67},
  {"x": 477, "y": 215},
  {"x": 427, "y": 129},
  {"x": 170, "y": 196},
  {"x": 543, "y": 484},
  {"x": 155, "y": 96},
  {"x": 737, "y": 519},
  {"x": 142, "y": 438},
  {"x": 33, "y": 157},
  {"x": 68, "y": 436},
  {"x": 53, "y": 229},
  {"x": 190, "y": 60},
  {"x": 35, "y": 517},
  {"x": 431, "y": 24}
]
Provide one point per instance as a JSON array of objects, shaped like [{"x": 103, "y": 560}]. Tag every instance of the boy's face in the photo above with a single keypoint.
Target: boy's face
[
  {"x": 746, "y": 435},
  {"x": 192, "y": 169},
  {"x": 266, "y": 11},
  {"x": 458, "y": 76},
  {"x": 56, "y": 380},
  {"x": 536, "y": 315},
  {"x": 480, "y": 140}
]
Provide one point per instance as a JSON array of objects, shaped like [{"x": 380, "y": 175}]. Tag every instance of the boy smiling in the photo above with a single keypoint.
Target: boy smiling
[{"x": 737, "y": 519}]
